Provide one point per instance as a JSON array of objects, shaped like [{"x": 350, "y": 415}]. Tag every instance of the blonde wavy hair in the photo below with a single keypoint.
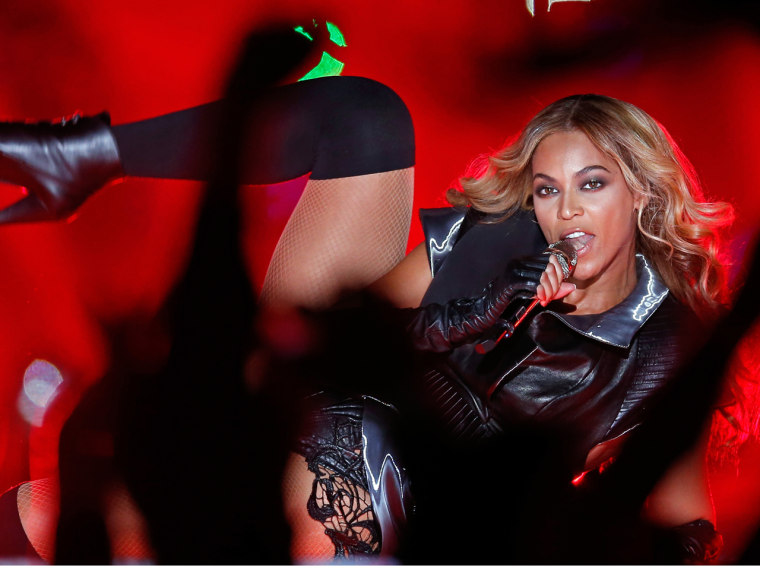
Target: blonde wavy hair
[{"x": 677, "y": 229}]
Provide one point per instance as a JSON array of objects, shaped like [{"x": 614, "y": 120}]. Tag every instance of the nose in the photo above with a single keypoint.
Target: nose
[{"x": 569, "y": 206}]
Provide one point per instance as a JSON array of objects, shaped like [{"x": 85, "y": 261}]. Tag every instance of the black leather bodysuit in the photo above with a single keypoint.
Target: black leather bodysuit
[{"x": 589, "y": 376}]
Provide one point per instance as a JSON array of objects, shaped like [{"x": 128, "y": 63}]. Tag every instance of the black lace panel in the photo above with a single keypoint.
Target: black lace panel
[{"x": 339, "y": 497}]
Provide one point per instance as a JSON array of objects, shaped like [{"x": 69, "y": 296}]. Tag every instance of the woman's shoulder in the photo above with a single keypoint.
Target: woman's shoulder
[
  {"x": 478, "y": 249},
  {"x": 441, "y": 227}
]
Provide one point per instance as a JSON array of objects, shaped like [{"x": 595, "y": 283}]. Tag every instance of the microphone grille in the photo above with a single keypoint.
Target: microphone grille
[{"x": 566, "y": 255}]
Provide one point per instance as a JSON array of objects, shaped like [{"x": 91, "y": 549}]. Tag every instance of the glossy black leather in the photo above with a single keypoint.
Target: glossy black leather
[
  {"x": 61, "y": 165},
  {"x": 353, "y": 436},
  {"x": 590, "y": 377},
  {"x": 387, "y": 476},
  {"x": 438, "y": 327},
  {"x": 698, "y": 542},
  {"x": 483, "y": 249},
  {"x": 441, "y": 227}
]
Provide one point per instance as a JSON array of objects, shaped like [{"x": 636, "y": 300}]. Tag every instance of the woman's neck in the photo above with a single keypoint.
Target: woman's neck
[{"x": 599, "y": 295}]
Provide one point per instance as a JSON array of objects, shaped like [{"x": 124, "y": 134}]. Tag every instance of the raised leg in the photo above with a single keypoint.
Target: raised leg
[
  {"x": 344, "y": 233},
  {"x": 355, "y": 137}
]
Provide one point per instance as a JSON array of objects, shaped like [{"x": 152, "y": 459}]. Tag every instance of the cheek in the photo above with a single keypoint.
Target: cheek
[
  {"x": 621, "y": 223},
  {"x": 544, "y": 219}
]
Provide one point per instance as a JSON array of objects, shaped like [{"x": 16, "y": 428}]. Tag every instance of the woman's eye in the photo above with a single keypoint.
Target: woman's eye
[
  {"x": 593, "y": 184},
  {"x": 545, "y": 191}
]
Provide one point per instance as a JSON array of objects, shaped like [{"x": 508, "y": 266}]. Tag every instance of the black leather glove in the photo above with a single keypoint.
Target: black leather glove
[
  {"x": 698, "y": 541},
  {"x": 440, "y": 327}
]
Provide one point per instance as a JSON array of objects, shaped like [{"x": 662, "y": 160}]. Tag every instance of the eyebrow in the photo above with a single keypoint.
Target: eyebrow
[
  {"x": 581, "y": 172},
  {"x": 588, "y": 169}
]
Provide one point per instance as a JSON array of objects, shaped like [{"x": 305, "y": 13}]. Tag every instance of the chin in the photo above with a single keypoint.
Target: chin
[{"x": 585, "y": 272}]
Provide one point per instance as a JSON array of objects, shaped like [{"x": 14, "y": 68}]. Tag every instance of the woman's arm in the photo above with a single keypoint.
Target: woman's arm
[{"x": 405, "y": 284}]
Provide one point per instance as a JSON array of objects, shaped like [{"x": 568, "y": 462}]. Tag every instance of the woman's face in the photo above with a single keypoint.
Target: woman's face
[{"x": 579, "y": 194}]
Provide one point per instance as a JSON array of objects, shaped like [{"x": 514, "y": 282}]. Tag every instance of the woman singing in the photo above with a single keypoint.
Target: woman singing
[{"x": 603, "y": 177}]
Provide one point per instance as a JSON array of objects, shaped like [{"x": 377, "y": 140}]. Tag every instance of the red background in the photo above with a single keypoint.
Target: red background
[{"x": 471, "y": 73}]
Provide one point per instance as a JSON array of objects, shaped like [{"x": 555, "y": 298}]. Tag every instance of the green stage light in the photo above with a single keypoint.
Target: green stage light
[{"x": 327, "y": 66}]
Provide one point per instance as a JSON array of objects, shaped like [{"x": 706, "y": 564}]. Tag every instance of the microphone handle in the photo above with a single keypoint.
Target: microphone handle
[
  {"x": 508, "y": 328},
  {"x": 568, "y": 259}
]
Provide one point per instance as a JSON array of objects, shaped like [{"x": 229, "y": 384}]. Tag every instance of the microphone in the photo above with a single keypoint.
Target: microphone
[{"x": 514, "y": 315}]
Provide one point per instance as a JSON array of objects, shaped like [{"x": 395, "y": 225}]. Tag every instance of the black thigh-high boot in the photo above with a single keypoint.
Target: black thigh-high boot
[
  {"x": 333, "y": 127},
  {"x": 355, "y": 138}
]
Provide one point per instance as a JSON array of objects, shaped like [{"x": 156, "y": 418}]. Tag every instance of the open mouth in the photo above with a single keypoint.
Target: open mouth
[{"x": 579, "y": 241}]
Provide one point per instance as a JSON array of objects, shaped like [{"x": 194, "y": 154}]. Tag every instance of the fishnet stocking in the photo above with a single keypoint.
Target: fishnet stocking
[
  {"x": 343, "y": 233},
  {"x": 126, "y": 526},
  {"x": 38, "y": 511}
]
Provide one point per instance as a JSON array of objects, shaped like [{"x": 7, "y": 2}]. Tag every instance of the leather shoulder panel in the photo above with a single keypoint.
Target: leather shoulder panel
[{"x": 441, "y": 227}]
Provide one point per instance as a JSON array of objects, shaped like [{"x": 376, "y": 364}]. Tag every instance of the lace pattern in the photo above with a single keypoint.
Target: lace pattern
[{"x": 339, "y": 497}]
